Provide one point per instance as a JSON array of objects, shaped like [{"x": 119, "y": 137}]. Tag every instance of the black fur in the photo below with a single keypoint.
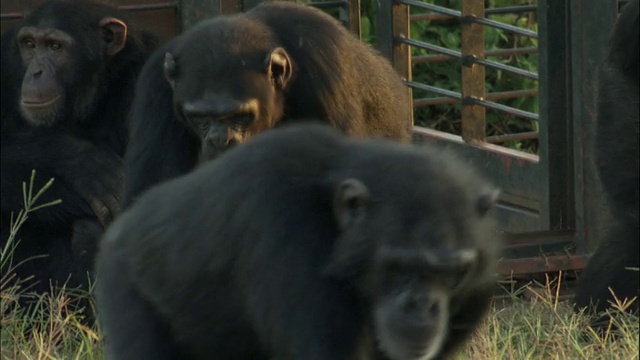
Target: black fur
[
  {"x": 81, "y": 144},
  {"x": 302, "y": 244},
  {"x": 615, "y": 262},
  {"x": 333, "y": 77}
]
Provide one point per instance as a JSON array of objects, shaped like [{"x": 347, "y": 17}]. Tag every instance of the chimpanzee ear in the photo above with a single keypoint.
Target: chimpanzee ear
[
  {"x": 279, "y": 67},
  {"x": 170, "y": 69},
  {"x": 114, "y": 34},
  {"x": 486, "y": 201},
  {"x": 349, "y": 202}
]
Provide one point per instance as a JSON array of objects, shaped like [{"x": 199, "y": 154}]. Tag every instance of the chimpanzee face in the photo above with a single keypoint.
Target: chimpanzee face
[
  {"x": 60, "y": 80},
  {"x": 415, "y": 269},
  {"x": 224, "y": 94}
]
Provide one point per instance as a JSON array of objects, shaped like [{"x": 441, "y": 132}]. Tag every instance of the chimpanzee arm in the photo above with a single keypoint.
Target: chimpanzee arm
[
  {"x": 88, "y": 180},
  {"x": 160, "y": 147}
]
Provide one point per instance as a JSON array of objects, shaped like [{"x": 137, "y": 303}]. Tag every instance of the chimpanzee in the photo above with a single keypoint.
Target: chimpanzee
[
  {"x": 614, "y": 265},
  {"x": 68, "y": 77},
  {"x": 232, "y": 77},
  {"x": 302, "y": 244}
]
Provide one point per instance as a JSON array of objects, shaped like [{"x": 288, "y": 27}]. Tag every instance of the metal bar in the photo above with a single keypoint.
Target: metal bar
[
  {"x": 490, "y": 96},
  {"x": 555, "y": 144},
  {"x": 472, "y": 59},
  {"x": 542, "y": 264},
  {"x": 472, "y": 80},
  {"x": 500, "y": 107},
  {"x": 497, "y": 52},
  {"x": 353, "y": 8},
  {"x": 433, "y": 89},
  {"x": 427, "y": 46},
  {"x": 487, "y": 11},
  {"x": 496, "y": 139},
  {"x": 401, "y": 51},
  {"x": 510, "y": 52},
  {"x": 524, "y": 203},
  {"x": 566, "y": 237},
  {"x": 384, "y": 28},
  {"x": 511, "y": 9},
  {"x": 431, "y": 17},
  {"x": 590, "y": 23},
  {"x": 511, "y": 94},
  {"x": 503, "y": 67},
  {"x": 506, "y": 27},
  {"x": 434, "y": 8}
]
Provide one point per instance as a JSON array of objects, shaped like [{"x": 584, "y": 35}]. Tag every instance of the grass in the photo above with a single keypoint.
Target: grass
[
  {"x": 544, "y": 327},
  {"x": 51, "y": 328},
  {"x": 540, "y": 327}
]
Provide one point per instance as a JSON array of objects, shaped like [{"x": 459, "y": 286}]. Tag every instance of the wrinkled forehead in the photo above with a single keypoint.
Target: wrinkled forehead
[
  {"x": 214, "y": 60},
  {"x": 224, "y": 43},
  {"x": 67, "y": 20},
  {"x": 45, "y": 32},
  {"x": 208, "y": 64}
]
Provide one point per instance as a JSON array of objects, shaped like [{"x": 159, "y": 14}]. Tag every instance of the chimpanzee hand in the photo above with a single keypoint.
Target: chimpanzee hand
[
  {"x": 84, "y": 242},
  {"x": 98, "y": 176},
  {"x": 88, "y": 179}
]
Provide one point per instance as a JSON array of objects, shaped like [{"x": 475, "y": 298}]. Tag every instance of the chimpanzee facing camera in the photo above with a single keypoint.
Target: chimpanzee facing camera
[
  {"x": 302, "y": 244},
  {"x": 68, "y": 75}
]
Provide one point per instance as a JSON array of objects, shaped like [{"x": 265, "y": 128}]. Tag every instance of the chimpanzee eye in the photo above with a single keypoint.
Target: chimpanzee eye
[
  {"x": 242, "y": 119},
  {"x": 55, "y": 46},
  {"x": 29, "y": 44}
]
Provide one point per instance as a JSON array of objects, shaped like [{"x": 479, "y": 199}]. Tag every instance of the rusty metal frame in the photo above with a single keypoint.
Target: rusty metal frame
[
  {"x": 192, "y": 11},
  {"x": 474, "y": 22},
  {"x": 558, "y": 187},
  {"x": 473, "y": 74},
  {"x": 132, "y": 8}
]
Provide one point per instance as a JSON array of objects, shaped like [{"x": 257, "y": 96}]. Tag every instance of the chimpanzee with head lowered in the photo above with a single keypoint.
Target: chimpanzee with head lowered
[
  {"x": 67, "y": 75},
  {"x": 232, "y": 77},
  {"x": 302, "y": 244},
  {"x": 614, "y": 265}
]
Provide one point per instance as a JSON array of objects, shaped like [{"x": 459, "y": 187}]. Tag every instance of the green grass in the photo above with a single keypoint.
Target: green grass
[
  {"x": 51, "y": 328},
  {"x": 540, "y": 327},
  {"x": 545, "y": 328}
]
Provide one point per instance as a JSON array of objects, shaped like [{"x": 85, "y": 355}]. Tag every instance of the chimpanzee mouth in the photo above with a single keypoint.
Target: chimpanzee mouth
[{"x": 39, "y": 104}]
